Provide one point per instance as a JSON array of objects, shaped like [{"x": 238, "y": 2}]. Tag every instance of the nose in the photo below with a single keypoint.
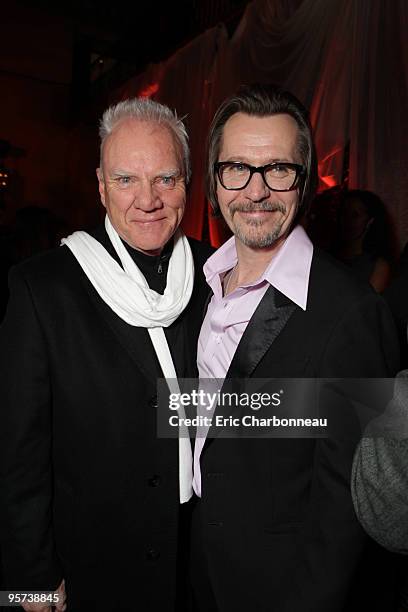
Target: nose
[
  {"x": 146, "y": 197},
  {"x": 257, "y": 189}
]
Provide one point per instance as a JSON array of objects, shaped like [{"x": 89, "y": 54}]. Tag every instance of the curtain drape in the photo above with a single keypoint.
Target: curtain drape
[{"x": 346, "y": 60}]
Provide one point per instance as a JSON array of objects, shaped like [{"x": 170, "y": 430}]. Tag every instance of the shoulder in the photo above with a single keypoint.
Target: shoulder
[
  {"x": 380, "y": 274},
  {"x": 48, "y": 269},
  {"x": 356, "y": 324},
  {"x": 56, "y": 265},
  {"x": 379, "y": 496},
  {"x": 333, "y": 281},
  {"x": 345, "y": 302}
]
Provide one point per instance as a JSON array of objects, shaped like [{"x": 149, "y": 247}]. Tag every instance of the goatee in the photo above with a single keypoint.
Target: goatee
[{"x": 243, "y": 231}]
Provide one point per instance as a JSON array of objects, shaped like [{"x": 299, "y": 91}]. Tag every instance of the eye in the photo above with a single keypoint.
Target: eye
[
  {"x": 167, "y": 182},
  {"x": 279, "y": 169},
  {"x": 123, "y": 181},
  {"x": 232, "y": 171},
  {"x": 238, "y": 168}
]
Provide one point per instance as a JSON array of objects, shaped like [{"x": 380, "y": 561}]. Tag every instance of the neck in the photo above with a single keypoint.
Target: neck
[
  {"x": 132, "y": 247},
  {"x": 252, "y": 262}
]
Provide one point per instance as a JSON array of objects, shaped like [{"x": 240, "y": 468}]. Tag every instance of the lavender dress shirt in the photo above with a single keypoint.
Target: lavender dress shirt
[{"x": 227, "y": 317}]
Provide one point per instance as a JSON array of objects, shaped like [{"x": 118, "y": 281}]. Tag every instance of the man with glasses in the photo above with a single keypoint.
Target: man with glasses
[{"x": 274, "y": 529}]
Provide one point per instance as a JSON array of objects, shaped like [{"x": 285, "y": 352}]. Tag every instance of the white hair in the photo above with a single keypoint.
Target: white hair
[{"x": 144, "y": 109}]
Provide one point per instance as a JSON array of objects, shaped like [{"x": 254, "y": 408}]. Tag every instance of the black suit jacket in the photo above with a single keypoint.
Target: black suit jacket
[
  {"x": 278, "y": 525},
  {"x": 87, "y": 490}
]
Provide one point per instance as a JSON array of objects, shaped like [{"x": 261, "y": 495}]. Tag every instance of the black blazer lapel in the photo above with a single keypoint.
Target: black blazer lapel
[
  {"x": 267, "y": 322},
  {"x": 135, "y": 340}
]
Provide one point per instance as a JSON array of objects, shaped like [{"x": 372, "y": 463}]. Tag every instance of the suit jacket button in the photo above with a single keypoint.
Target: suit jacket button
[
  {"x": 154, "y": 481},
  {"x": 153, "y": 402},
  {"x": 152, "y": 554}
]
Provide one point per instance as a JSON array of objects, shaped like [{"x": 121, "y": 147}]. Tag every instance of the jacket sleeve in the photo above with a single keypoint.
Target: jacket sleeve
[
  {"x": 379, "y": 482},
  {"x": 26, "y": 535},
  {"x": 362, "y": 345}
]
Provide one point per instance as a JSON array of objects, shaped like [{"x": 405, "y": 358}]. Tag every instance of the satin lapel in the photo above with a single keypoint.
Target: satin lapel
[
  {"x": 206, "y": 304},
  {"x": 268, "y": 321}
]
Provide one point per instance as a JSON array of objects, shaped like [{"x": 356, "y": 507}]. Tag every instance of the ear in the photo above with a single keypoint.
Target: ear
[{"x": 101, "y": 185}]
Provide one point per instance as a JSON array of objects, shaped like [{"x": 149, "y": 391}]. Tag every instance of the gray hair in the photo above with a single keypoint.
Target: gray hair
[{"x": 144, "y": 109}]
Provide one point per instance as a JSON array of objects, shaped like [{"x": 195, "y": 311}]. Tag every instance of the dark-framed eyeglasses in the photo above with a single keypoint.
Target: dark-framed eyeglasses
[{"x": 279, "y": 176}]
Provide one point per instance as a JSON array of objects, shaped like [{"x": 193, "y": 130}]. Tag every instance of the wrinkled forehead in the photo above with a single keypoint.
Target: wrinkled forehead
[
  {"x": 267, "y": 137},
  {"x": 132, "y": 139}
]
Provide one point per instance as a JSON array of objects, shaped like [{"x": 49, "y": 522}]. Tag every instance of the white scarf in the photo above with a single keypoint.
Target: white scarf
[{"x": 126, "y": 292}]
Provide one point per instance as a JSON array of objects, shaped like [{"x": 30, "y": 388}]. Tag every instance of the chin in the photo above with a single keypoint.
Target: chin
[
  {"x": 264, "y": 238},
  {"x": 148, "y": 247},
  {"x": 146, "y": 241}
]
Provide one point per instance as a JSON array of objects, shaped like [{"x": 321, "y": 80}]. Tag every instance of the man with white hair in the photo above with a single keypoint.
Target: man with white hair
[{"x": 90, "y": 497}]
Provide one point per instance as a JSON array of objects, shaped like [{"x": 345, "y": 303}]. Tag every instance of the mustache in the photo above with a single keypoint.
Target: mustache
[{"x": 255, "y": 207}]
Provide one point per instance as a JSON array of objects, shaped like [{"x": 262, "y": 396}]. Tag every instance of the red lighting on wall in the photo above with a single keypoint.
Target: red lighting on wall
[
  {"x": 149, "y": 91},
  {"x": 328, "y": 181}
]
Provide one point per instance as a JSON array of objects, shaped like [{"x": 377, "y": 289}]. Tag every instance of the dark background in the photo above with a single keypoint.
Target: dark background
[{"x": 59, "y": 64}]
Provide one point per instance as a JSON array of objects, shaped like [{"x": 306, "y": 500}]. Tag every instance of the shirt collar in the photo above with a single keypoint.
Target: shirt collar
[{"x": 288, "y": 271}]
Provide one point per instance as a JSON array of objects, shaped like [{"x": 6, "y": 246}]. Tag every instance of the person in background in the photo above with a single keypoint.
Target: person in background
[
  {"x": 379, "y": 482},
  {"x": 320, "y": 221},
  {"x": 396, "y": 296},
  {"x": 35, "y": 230},
  {"x": 364, "y": 240}
]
